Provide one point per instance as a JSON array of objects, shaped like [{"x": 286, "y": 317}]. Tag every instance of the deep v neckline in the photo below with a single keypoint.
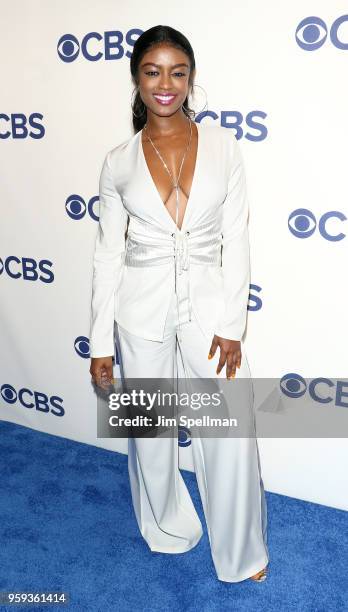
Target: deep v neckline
[{"x": 148, "y": 173}]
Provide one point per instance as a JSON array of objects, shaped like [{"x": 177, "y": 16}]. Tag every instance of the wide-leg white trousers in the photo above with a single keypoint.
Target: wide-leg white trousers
[{"x": 227, "y": 469}]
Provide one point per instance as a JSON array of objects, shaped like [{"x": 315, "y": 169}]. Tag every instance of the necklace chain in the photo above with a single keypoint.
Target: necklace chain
[{"x": 175, "y": 184}]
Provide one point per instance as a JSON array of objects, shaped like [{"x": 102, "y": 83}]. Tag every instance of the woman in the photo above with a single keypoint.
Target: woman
[{"x": 176, "y": 296}]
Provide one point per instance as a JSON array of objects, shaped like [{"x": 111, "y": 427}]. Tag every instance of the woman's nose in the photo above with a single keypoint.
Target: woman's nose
[{"x": 165, "y": 81}]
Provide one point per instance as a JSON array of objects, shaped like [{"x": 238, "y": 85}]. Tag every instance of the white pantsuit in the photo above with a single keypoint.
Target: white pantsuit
[{"x": 170, "y": 291}]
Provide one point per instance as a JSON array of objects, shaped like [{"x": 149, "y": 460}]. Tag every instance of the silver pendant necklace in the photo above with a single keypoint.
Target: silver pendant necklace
[{"x": 175, "y": 183}]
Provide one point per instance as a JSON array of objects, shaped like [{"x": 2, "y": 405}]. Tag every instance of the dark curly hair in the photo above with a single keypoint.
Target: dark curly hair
[{"x": 148, "y": 39}]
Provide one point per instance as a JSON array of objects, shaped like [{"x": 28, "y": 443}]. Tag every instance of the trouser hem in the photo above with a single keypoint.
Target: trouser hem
[
  {"x": 174, "y": 550},
  {"x": 254, "y": 569}
]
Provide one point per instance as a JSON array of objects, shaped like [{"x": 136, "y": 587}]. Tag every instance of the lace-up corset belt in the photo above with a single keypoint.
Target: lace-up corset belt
[{"x": 149, "y": 246}]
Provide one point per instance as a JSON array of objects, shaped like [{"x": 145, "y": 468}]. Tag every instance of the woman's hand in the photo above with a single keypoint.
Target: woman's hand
[
  {"x": 101, "y": 371},
  {"x": 230, "y": 351}
]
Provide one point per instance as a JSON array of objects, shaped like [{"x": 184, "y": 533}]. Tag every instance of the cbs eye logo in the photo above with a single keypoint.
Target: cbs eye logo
[
  {"x": 95, "y": 46},
  {"x": 311, "y": 33},
  {"x": 81, "y": 346},
  {"x": 184, "y": 436},
  {"x": 293, "y": 386},
  {"x": 76, "y": 207},
  {"x": 302, "y": 224}
]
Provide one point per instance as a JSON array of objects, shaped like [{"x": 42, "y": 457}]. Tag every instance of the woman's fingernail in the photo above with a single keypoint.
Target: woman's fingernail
[{"x": 210, "y": 356}]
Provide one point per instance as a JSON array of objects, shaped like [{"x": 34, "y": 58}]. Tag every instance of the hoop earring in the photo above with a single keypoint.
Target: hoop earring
[
  {"x": 132, "y": 106},
  {"x": 206, "y": 100}
]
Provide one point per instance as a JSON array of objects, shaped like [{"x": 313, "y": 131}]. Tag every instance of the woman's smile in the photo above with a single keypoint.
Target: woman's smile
[{"x": 164, "y": 98}]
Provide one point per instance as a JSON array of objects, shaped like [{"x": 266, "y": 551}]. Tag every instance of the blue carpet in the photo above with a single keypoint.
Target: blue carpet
[{"x": 67, "y": 524}]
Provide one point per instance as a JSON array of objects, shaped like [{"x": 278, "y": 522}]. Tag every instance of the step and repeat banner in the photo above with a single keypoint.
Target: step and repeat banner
[{"x": 275, "y": 74}]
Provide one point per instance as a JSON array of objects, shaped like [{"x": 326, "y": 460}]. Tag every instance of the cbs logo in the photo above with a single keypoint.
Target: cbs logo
[
  {"x": 311, "y": 33},
  {"x": 18, "y": 126},
  {"x": 27, "y": 268},
  {"x": 184, "y": 436},
  {"x": 235, "y": 119},
  {"x": 81, "y": 346},
  {"x": 302, "y": 224},
  {"x": 95, "y": 46},
  {"x": 76, "y": 207},
  {"x": 33, "y": 399},
  {"x": 294, "y": 386}
]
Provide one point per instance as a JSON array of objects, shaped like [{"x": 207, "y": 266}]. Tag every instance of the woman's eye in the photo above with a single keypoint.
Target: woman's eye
[{"x": 155, "y": 72}]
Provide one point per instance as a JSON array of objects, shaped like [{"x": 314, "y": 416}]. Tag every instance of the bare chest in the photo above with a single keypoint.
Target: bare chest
[{"x": 171, "y": 165}]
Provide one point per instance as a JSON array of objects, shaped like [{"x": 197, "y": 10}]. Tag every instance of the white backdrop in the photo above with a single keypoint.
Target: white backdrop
[{"x": 58, "y": 118}]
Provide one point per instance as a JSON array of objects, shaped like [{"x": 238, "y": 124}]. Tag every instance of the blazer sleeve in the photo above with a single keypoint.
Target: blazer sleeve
[
  {"x": 235, "y": 251},
  {"x": 107, "y": 264}
]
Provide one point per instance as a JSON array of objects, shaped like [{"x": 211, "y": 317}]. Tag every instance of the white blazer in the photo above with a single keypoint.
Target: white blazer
[{"x": 134, "y": 276}]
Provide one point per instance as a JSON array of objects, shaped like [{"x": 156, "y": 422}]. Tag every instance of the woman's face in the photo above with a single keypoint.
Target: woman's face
[{"x": 164, "y": 79}]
